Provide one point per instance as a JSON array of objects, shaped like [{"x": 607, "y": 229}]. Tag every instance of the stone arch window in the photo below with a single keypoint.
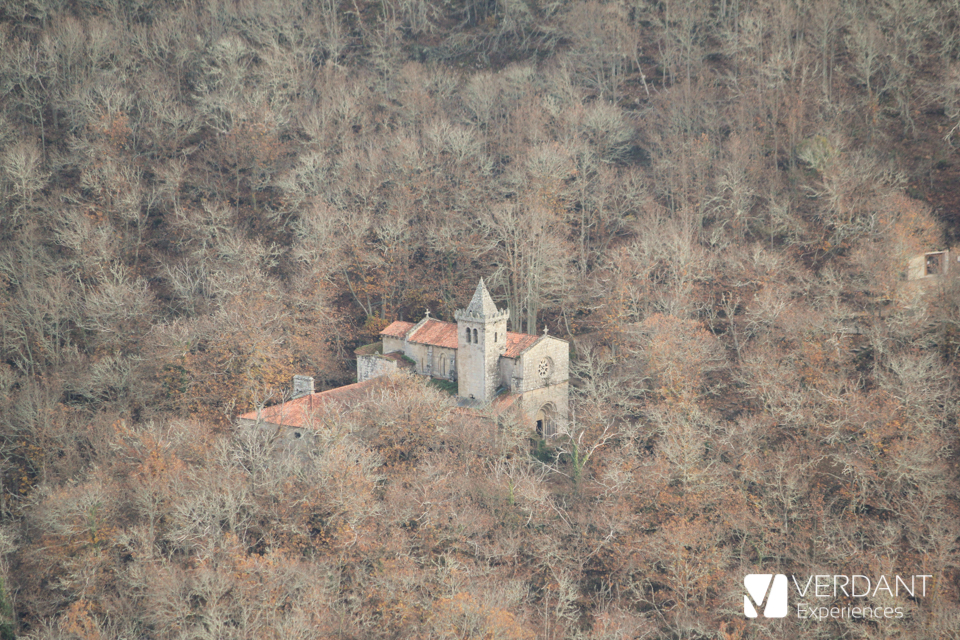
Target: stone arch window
[
  {"x": 475, "y": 340},
  {"x": 494, "y": 337},
  {"x": 468, "y": 335},
  {"x": 546, "y": 421}
]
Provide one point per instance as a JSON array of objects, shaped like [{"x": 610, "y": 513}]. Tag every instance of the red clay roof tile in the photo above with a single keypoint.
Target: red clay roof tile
[
  {"x": 436, "y": 333},
  {"x": 297, "y": 413},
  {"x": 517, "y": 343},
  {"x": 444, "y": 334},
  {"x": 397, "y": 329}
]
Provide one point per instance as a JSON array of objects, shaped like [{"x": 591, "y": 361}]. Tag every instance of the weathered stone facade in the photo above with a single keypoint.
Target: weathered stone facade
[
  {"x": 373, "y": 366},
  {"x": 481, "y": 341},
  {"x": 372, "y": 362},
  {"x": 934, "y": 265},
  {"x": 546, "y": 408},
  {"x": 302, "y": 386},
  {"x": 541, "y": 376}
]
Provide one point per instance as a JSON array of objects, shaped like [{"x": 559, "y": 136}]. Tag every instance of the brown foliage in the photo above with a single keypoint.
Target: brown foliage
[{"x": 198, "y": 200}]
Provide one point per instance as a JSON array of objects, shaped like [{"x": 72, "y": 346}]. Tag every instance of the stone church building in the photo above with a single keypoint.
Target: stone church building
[
  {"x": 487, "y": 362},
  {"x": 489, "y": 365}
]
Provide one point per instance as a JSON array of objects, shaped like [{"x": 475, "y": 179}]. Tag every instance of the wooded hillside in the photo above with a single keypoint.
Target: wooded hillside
[{"x": 715, "y": 201}]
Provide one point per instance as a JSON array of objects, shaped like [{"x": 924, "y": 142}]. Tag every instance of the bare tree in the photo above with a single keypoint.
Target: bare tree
[
  {"x": 23, "y": 179},
  {"x": 529, "y": 256}
]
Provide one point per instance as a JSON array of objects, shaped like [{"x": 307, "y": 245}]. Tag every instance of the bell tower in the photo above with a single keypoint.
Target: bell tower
[{"x": 481, "y": 340}]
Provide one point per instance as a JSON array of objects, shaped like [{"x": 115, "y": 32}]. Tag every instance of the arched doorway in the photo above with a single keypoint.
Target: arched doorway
[{"x": 546, "y": 421}]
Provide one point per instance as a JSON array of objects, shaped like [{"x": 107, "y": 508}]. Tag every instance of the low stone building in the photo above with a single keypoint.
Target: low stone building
[
  {"x": 293, "y": 423},
  {"x": 488, "y": 364},
  {"x": 373, "y": 362},
  {"x": 934, "y": 265}
]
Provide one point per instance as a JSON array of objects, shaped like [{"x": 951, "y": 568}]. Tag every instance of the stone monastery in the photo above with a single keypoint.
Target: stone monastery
[{"x": 489, "y": 364}]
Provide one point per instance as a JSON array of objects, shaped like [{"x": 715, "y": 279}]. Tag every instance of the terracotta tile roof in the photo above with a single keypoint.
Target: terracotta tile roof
[
  {"x": 444, "y": 334},
  {"x": 398, "y": 357},
  {"x": 501, "y": 403},
  {"x": 517, "y": 343},
  {"x": 436, "y": 333},
  {"x": 397, "y": 329},
  {"x": 369, "y": 349},
  {"x": 296, "y": 413}
]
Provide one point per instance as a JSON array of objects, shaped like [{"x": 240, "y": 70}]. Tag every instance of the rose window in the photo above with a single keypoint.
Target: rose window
[{"x": 544, "y": 368}]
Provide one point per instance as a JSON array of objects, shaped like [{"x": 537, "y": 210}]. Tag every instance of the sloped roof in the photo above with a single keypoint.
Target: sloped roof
[
  {"x": 482, "y": 304},
  {"x": 436, "y": 333},
  {"x": 369, "y": 349},
  {"x": 397, "y": 329},
  {"x": 502, "y": 402},
  {"x": 297, "y": 412},
  {"x": 505, "y": 400},
  {"x": 517, "y": 343},
  {"x": 398, "y": 357}
]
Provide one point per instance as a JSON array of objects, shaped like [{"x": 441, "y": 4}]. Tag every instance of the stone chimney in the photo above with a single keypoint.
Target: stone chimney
[{"x": 302, "y": 386}]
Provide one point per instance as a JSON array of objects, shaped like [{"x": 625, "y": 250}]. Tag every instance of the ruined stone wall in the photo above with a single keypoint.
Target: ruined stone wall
[{"x": 374, "y": 365}]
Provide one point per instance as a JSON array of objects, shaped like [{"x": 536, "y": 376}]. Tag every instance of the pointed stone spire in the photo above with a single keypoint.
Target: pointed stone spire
[{"x": 482, "y": 304}]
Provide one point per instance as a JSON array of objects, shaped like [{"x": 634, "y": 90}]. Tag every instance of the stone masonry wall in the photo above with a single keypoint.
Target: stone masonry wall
[
  {"x": 373, "y": 366},
  {"x": 478, "y": 364},
  {"x": 558, "y": 351},
  {"x": 417, "y": 352},
  {"x": 556, "y": 395},
  {"x": 392, "y": 344},
  {"x": 507, "y": 367}
]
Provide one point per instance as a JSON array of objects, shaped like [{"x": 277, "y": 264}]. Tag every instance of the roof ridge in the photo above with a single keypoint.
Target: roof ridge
[
  {"x": 433, "y": 332},
  {"x": 403, "y": 323}
]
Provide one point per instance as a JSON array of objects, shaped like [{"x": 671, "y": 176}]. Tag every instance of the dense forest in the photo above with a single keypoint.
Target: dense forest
[{"x": 715, "y": 201}]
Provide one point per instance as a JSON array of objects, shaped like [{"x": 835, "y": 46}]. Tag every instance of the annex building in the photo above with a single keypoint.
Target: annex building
[{"x": 488, "y": 364}]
